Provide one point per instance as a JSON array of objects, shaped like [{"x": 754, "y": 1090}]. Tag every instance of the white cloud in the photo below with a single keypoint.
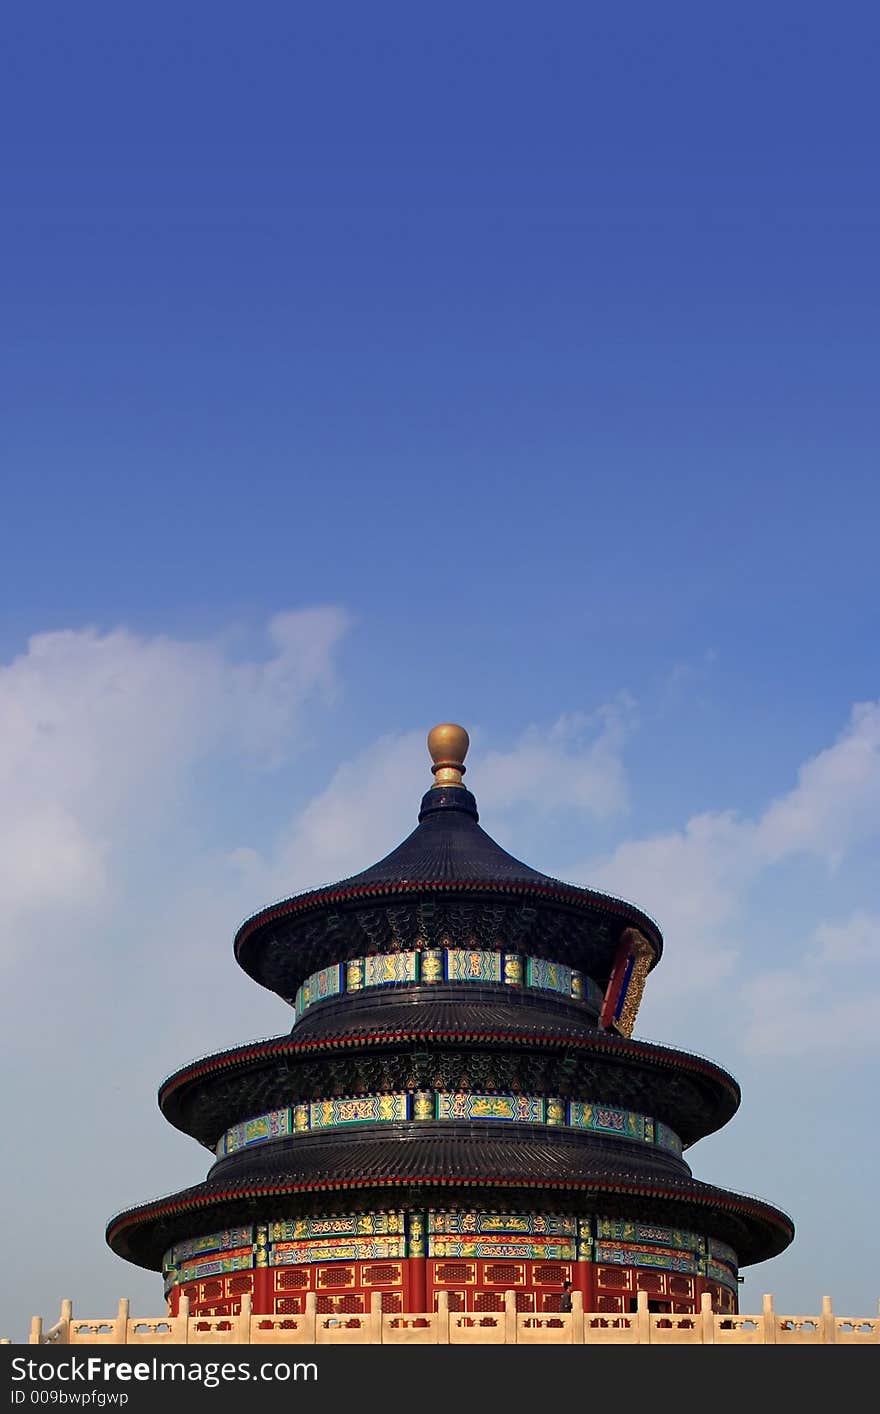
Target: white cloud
[
  {"x": 366, "y": 809},
  {"x": 264, "y": 699},
  {"x": 686, "y": 679},
  {"x": 691, "y": 882},
  {"x": 576, "y": 763},
  {"x": 789, "y": 1014},
  {"x": 855, "y": 940},
  {"x": 833, "y": 994},
  {"x": 98, "y": 732},
  {"x": 836, "y": 799},
  {"x": 697, "y": 882},
  {"x": 47, "y": 858}
]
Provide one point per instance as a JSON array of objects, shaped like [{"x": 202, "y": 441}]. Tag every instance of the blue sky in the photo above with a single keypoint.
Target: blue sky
[{"x": 364, "y": 368}]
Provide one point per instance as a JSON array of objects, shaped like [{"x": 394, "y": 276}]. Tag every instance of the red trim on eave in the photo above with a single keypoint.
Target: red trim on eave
[
  {"x": 138, "y": 1217},
  {"x": 563, "y": 894},
  {"x": 287, "y": 1046}
]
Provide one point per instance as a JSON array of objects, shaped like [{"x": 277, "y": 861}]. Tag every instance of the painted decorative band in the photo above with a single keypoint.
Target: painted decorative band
[
  {"x": 427, "y": 965},
  {"x": 594, "y": 1116}
]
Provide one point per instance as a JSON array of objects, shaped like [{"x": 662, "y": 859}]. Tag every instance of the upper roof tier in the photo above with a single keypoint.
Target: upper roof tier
[{"x": 449, "y": 884}]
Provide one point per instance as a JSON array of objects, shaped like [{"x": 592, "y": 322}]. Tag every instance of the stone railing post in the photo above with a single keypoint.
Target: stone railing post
[
  {"x": 120, "y": 1325},
  {"x": 311, "y": 1324},
  {"x": 510, "y": 1331},
  {"x": 829, "y": 1331},
  {"x": 180, "y": 1322},
  {"x": 36, "y": 1335},
  {"x": 769, "y": 1318},
  {"x": 643, "y": 1318},
  {"x": 376, "y": 1317},
  {"x": 707, "y": 1319},
  {"x": 64, "y": 1323},
  {"x": 442, "y": 1318},
  {"x": 577, "y": 1318},
  {"x": 244, "y": 1319}
]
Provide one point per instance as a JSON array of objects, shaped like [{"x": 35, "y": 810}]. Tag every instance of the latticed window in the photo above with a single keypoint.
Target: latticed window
[
  {"x": 649, "y": 1281},
  {"x": 289, "y": 1306},
  {"x": 336, "y": 1276},
  {"x": 613, "y": 1276},
  {"x": 334, "y": 1305},
  {"x": 681, "y": 1286},
  {"x": 488, "y": 1301},
  {"x": 379, "y": 1275},
  {"x": 236, "y": 1285},
  {"x": 290, "y": 1281},
  {"x": 392, "y": 1301},
  {"x": 525, "y": 1301},
  {"x": 610, "y": 1303},
  {"x": 456, "y": 1300},
  {"x": 506, "y": 1273},
  {"x": 453, "y": 1271},
  {"x": 211, "y": 1290},
  {"x": 548, "y": 1275}
]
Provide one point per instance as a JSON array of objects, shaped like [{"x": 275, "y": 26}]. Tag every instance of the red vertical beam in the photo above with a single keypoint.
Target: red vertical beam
[
  {"x": 583, "y": 1280},
  {"x": 264, "y": 1291},
  {"x": 415, "y": 1284}
]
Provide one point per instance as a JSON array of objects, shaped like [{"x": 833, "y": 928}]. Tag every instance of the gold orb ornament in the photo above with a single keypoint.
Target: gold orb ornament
[{"x": 448, "y": 744}]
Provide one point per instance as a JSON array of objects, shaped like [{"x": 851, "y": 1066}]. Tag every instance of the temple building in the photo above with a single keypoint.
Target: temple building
[{"x": 459, "y": 1107}]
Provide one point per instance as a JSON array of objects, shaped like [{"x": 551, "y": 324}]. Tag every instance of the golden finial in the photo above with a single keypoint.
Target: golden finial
[{"x": 448, "y": 746}]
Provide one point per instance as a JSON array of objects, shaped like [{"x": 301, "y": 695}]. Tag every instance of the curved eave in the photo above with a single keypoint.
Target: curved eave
[
  {"x": 554, "y": 891},
  {"x": 180, "y": 1087},
  {"x": 775, "y": 1227}
]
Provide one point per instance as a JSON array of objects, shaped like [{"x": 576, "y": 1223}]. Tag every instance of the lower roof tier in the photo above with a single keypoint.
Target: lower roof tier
[
  {"x": 473, "y": 1168},
  {"x": 208, "y": 1097}
]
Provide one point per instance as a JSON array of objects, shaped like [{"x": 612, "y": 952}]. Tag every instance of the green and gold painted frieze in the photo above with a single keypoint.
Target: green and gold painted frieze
[
  {"x": 342, "y": 1249},
  {"x": 344, "y": 1225},
  {"x": 211, "y": 1242},
  {"x": 212, "y": 1254},
  {"x": 524, "y": 1236},
  {"x": 526, "y": 1109},
  {"x": 359, "y": 1237},
  {"x": 592, "y": 1116},
  {"x": 431, "y": 965},
  {"x": 639, "y": 1256},
  {"x": 452, "y": 1223},
  {"x": 366, "y": 1109}
]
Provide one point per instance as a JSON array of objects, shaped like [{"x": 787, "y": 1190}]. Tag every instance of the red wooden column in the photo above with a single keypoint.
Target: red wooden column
[
  {"x": 582, "y": 1279},
  {"x": 415, "y": 1270},
  {"x": 416, "y": 1284},
  {"x": 264, "y": 1291}
]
